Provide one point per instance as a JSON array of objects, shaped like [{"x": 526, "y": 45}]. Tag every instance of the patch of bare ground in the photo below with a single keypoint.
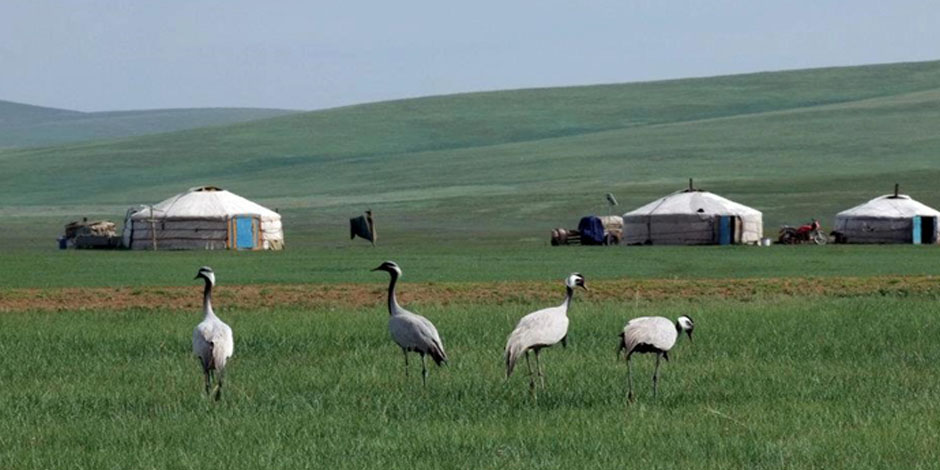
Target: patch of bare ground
[{"x": 351, "y": 296}]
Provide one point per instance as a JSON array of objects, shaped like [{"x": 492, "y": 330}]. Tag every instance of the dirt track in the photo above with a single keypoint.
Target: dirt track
[{"x": 371, "y": 295}]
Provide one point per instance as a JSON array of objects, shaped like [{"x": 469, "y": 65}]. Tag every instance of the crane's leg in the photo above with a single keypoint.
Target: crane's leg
[
  {"x": 208, "y": 381},
  {"x": 629, "y": 378},
  {"x": 538, "y": 368},
  {"x": 529, "y": 366},
  {"x": 405, "y": 353},
  {"x": 219, "y": 378},
  {"x": 205, "y": 374},
  {"x": 424, "y": 370},
  {"x": 656, "y": 375}
]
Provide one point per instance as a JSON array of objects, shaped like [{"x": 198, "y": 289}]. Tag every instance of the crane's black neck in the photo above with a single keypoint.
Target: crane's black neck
[
  {"x": 392, "y": 301},
  {"x": 207, "y": 299},
  {"x": 569, "y": 293}
]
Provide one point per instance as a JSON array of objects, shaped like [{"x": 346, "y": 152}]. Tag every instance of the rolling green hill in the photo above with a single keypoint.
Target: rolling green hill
[
  {"x": 23, "y": 125},
  {"x": 510, "y": 165}
]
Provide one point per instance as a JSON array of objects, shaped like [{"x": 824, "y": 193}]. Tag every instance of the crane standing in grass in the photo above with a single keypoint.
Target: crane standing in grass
[
  {"x": 541, "y": 329},
  {"x": 213, "y": 343},
  {"x": 652, "y": 335},
  {"x": 410, "y": 331}
]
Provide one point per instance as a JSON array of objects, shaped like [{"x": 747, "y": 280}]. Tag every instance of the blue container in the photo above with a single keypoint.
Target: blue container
[{"x": 63, "y": 243}]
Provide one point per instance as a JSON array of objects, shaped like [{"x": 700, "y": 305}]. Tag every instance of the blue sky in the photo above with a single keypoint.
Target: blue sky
[{"x": 104, "y": 55}]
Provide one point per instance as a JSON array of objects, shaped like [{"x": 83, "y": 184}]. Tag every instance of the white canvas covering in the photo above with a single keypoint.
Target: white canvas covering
[
  {"x": 201, "y": 218},
  {"x": 690, "y": 217},
  {"x": 885, "y": 219}
]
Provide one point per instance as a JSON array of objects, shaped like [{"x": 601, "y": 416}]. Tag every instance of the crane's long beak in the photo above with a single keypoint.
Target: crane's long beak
[
  {"x": 376, "y": 269},
  {"x": 583, "y": 287}
]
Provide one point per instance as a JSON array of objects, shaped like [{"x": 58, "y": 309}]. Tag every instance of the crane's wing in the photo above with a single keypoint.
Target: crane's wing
[
  {"x": 540, "y": 328},
  {"x": 416, "y": 333},
  {"x": 202, "y": 347},
  {"x": 657, "y": 332},
  {"x": 224, "y": 345},
  {"x": 430, "y": 335}
]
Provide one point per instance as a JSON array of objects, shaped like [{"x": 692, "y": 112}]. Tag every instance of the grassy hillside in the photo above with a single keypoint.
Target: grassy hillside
[
  {"x": 14, "y": 114},
  {"x": 23, "y": 125},
  {"x": 513, "y": 164}
]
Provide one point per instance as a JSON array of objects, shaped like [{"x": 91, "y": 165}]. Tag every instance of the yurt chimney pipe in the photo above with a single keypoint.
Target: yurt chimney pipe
[
  {"x": 691, "y": 188},
  {"x": 896, "y": 188}
]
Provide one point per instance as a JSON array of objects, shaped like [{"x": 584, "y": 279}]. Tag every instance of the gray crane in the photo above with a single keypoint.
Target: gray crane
[
  {"x": 541, "y": 329},
  {"x": 655, "y": 335},
  {"x": 411, "y": 331},
  {"x": 213, "y": 342}
]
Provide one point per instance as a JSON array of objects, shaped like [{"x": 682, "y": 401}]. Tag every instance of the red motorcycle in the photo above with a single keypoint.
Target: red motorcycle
[{"x": 808, "y": 233}]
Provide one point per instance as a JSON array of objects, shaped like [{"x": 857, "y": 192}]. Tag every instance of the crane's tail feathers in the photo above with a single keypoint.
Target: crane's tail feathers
[
  {"x": 439, "y": 357},
  {"x": 437, "y": 353},
  {"x": 510, "y": 363},
  {"x": 513, "y": 352},
  {"x": 218, "y": 360}
]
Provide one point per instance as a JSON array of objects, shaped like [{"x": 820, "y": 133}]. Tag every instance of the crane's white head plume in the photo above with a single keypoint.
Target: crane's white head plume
[
  {"x": 685, "y": 323},
  {"x": 575, "y": 280},
  {"x": 206, "y": 273},
  {"x": 390, "y": 267}
]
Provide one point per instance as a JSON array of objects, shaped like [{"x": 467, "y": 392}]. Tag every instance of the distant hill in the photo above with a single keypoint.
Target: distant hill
[
  {"x": 23, "y": 125},
  {"x": 795, "y": 144}
]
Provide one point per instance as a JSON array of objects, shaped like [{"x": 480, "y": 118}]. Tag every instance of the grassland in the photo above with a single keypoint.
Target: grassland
[
  {"x": 832, "y": 383},
  {"x": 23, "y": 125},
  {"x": 466, "y": 188},
  {"x": 459, "y": 263},
  {"x": 517, "y": 163}
]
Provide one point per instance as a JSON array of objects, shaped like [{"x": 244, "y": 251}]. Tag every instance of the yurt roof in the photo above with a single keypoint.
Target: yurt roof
[
  {"x": 693, "y": 202},
  {"x": 890, "y": 206},
  {"x": 206, "y": 202}
]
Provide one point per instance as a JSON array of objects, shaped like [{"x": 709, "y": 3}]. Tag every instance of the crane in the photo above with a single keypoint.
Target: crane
[
  {"x": 655, "y": 335},
  {"x": 412, "y": 332},
  {"x": 213, "y": 342},
  {"x": 541, "y": 329}
]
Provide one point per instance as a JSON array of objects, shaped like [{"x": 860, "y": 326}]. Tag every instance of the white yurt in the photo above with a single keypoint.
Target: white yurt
[
  {"x": 892, "y": 218},
  {"x": 692, "y": 217},
  {"x": 203, "y": 218}
]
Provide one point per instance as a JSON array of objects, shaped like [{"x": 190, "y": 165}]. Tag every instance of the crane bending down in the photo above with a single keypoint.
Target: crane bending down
[
  {"x": 652, "y": 335},
  {"x": 213, "y": 343},
  {"x": 411, "y": 331},
  {"x": 541, "y": 329}
]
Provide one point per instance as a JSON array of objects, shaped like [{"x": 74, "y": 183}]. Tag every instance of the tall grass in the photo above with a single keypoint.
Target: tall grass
[
  {"x": 457, "y": 263},
  {"x": 828, "y": 383}
]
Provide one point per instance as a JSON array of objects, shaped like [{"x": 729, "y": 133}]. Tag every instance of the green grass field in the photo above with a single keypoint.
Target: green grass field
[
  {"x": 828, "y": 383},
  {"x": 458, "y": 263},
  {"x": 466, "y": 189}
]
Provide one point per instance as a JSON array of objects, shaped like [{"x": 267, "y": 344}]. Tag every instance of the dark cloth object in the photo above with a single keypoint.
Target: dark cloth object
[
  {"x": 592, "y": 230},
  {"x": 361, "y": 226}
]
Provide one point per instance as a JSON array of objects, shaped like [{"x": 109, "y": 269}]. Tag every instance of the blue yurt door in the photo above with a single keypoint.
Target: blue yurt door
[
  {"x": 725, "y": 230},
  {"x": 244, "y": 232},
  {"x": 916, "y": 230}
]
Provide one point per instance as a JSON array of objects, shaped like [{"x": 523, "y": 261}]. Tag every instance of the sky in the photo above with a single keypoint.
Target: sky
[{"x": 95, "y": 55}]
